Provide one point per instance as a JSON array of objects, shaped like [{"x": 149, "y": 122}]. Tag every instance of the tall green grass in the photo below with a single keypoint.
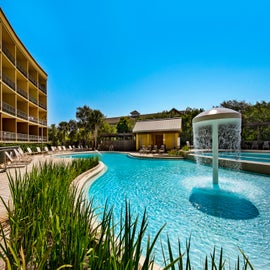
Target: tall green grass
[{"x": 51, "y": 227}]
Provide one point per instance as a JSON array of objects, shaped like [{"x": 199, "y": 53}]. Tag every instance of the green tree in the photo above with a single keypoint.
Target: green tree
[
  {"x": 187, "y": 130},
  {"x": 83, "y": 115},
  {"x": 257, "y": 121},
  {"x": 239, "y": 106},
  {"x": 53, "y": 134},
  {"x": 123, "y": 126},
  {"x": 96, "y": 120},
  {"x": 72, "y": 131},
  {"x": 63, "y": 132}
]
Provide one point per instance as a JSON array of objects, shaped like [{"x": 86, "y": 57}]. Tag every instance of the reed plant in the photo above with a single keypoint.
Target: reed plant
[{"x": 51, "y": 227}]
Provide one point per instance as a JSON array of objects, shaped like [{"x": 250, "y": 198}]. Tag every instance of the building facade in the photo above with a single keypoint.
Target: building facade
[
  {"x": 23, "y": 91},
  {"x": 158, "y": 132}
]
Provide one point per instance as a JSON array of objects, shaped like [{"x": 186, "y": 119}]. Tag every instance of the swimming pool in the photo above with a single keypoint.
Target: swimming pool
[
  {"x": 262, "y": 157},
  {"x": 180, "y": 194}
]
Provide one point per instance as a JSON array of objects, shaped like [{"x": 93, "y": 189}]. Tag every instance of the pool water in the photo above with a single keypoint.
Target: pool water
[
  {"x": 179, "y": 193},
  {"x": 263, "y": 157}
]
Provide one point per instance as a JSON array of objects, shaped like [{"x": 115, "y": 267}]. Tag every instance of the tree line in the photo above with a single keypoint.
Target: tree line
[{"x": 91, "y": 123}]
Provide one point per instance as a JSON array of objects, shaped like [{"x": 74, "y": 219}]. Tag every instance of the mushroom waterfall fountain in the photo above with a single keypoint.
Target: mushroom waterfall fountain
[{"x": 218, "y": 128}]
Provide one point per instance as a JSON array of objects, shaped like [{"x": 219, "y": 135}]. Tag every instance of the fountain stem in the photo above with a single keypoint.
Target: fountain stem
[
  {"x": 215, "y": 152},
  {"x": 215, "y": 118}
]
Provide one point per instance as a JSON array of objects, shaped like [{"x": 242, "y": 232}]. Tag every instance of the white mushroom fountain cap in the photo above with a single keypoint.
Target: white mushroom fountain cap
[{"x": 216, "y": 113}]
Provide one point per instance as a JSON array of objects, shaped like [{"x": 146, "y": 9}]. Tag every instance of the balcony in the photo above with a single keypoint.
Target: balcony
[
  {"x": 43, "y": 122},
  {"x": 8, "y": 54},
  {"x": 33, "y": 119},
  {"x": 22, "y": 137},
  {"x": 8, "y": 81},
  {"x": 8, "y": 108},
  {"x": 22, "y": 92},
  {"x": 42, "y": 105},
  {"x": 31, "y": 79},
  {"x": 43, "y": 89},
  {"x": 22, "y": 114},
  {"x": 21, "y": 69},
  {"x": 33, "y": 138},
  {"x": 8, "y": 136},
  {"x": 34, "y": 100}
]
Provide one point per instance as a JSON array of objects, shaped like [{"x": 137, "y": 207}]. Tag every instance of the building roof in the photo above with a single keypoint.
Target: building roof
[{"x": 172, "y": 124}]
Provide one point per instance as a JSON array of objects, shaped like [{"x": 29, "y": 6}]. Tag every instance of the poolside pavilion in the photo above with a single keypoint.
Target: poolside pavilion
[{"x": 158, "y": 132}]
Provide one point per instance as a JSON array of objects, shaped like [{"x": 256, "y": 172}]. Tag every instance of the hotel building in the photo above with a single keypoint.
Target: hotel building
[{"x": 23, "y": 91}]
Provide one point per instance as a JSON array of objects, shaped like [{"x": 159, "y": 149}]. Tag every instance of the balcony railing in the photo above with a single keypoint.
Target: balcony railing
[
  {"x": 22, "y": 92},
  {"x": 43, "y": 88},
  {"x": 32, "y": 80},
  {"x": 22, "y": 114},
  {"x": 33, "y": 99},
  {"x": 8, "y": 81},
  {"x": 33, "y": 138},
  {"x": 43, "y": 122},
  {"x": 8, "y": 54},
  {"x": 32, "y": 119},
  {"x": 8, "y": 136},
  {"x": 13, "y": 136},
  {"x": 22, "y": 137},
  {"x": 42, "y": 105},
  {"x": 8, "y": 108},
  {"x": 21, "y": 69}
]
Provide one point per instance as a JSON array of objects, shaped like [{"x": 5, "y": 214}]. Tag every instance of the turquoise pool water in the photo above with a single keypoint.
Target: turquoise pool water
[
  {"x": 180, "y": 194},
  {"x": 246, "y": 156}
]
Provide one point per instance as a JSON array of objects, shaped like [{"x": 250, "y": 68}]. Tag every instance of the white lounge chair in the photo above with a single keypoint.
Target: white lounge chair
[
  {"x": 161, "y": 149},
  {"x": 266, "y": 145},
  {"x": 29, "y": 150},
  {"x": 13, "y": 163},
  {"x": 155, "y": 149},
  {"x": 143, "y": 149},
  {"x": 22, "y": 158},
  {"x": 254, "y": 145}
]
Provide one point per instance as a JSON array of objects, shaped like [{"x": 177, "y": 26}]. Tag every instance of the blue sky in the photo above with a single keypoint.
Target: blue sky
[{"x": 119, "y": 56}]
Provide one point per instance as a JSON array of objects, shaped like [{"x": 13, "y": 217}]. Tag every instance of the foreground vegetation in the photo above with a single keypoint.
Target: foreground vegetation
[{"x": 51, "y": 227}]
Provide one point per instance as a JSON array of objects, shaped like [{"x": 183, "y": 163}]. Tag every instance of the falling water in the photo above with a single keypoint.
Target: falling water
[{"x": 217, "y": 131}]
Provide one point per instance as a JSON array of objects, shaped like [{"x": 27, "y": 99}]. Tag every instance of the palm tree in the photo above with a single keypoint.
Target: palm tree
[
  {"x": 96, "y": 120},
  {"x": 53, "y": 134},
  {"x": 72, "y": 131},
  {"x": 83, "y": 115},
  {"x": 63, "y": 131}
]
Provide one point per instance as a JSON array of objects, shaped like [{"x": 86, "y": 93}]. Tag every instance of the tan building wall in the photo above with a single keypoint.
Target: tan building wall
[
  {"x": 169, "y": 139},
  {"x": 23, "y": 91}
]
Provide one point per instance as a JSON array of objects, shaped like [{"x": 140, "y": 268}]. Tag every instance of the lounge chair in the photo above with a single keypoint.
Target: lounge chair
[
  {"x": 161, "y": 149},
  {"x": 148, "y": 149},
  {"x": 13, "y": 163},
  {"x": 254, "y": 145},
  {"x": 39, "y": 150},
  {"x": 22, "y": 158},
  {"x": 265, "y": 145},
  {"x": 30, "y": 152},
  {"x": 143, "y": 149},
  {"x": 155, "y": 149}
]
